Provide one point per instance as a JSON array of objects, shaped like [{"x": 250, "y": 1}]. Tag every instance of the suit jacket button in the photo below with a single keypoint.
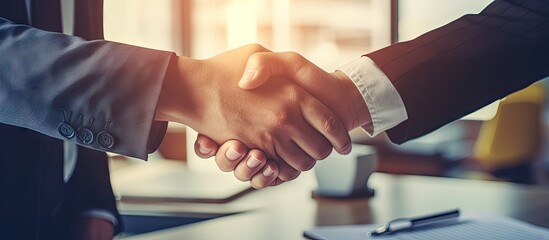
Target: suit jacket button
[
  {"x": 85, "y": 135},
  {"x": 105, "y": 140},
  {"x": 66, "y": 130}
]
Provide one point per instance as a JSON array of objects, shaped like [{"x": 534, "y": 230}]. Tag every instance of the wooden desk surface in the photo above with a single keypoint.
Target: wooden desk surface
[{"x": 289, "y": 208}]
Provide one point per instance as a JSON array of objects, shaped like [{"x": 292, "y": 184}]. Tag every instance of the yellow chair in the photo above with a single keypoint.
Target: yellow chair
[{"x": 514, "y": 135}]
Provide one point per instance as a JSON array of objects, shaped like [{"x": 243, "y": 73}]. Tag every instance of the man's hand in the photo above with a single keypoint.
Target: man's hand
[
  {"x": 336, "y": 90},
  {"x": 280, "y": 118}
]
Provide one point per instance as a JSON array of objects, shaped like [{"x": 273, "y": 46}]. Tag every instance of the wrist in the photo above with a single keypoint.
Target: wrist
[
  {"x": 179, "y": 97},
  {"x": 353, "y": 110}
]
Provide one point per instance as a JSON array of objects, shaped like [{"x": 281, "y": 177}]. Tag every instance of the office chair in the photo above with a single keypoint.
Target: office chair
[{"x": 511, "y": 140}]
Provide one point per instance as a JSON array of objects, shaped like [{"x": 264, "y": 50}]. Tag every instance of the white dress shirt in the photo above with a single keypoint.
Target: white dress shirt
[{"x": 382, "y": 99}]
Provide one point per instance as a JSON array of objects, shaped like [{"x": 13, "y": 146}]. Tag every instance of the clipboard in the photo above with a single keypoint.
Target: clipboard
[{"x": 473, "y": 226}]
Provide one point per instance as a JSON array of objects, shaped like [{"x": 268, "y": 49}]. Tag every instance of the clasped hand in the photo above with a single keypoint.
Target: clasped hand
[{"x": 291, "y": 115}]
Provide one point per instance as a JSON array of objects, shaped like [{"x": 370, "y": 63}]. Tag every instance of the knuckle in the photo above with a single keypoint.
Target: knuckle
[
  {"x": 255, "y": 185},
  {"x": 258, "y": 184},
  {"x": 223, "y": 165},
  {"x": 242, "y": 173},
  {"x": 280, "y": 118},
  {"x": 255, "y": 47},
  {"x": 241, "y": 177},
  {"x": 224, "y": 168},
  {"x": 331, "y": 124},
  {"x": 266, "y": 137},
  {"x": 295, "y": 57}
]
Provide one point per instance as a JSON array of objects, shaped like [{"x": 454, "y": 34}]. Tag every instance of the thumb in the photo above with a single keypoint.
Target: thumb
[
  {"x": 258, "y": 71},
  {"x": 205, "y": 147},
  {"x": 250, "y": 79},
  {"x": 263, "y": 66}
]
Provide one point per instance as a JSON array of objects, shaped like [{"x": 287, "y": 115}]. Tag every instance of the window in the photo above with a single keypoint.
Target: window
[{"x": 327, "y": 32}]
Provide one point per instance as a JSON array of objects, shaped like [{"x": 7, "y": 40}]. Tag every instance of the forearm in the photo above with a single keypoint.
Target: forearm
[
  {"x": 458, "y": 68},
  {"x": 48, "y": 78},
  {"x": 179, "y": 99}
]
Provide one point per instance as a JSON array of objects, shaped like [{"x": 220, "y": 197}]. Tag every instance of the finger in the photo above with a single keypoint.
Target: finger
[
  {"x": 230, "y": 154},
  {"x": 252, "y": 164},
  {"x": 325, "y": 122},
  {"x": 294, "y": 156},
  {"x": 311, "y": 141},
  {"x": 205, "y": 147},
  {"x": 266, "y": 176},
  {"x": 285, "y": 171}
]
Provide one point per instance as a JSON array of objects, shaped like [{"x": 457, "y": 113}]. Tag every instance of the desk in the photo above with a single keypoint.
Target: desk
[{"x": 289, "y": 208}]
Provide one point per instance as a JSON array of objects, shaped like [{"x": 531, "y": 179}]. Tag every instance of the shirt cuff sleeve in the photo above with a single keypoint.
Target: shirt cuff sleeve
[
  {"x": 102, "y": 214},
  {"x": 382, "y": 99}
]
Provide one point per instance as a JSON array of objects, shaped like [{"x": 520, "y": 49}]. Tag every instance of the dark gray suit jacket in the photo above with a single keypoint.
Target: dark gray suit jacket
[
  {"x": 100, "y": 85},
  {"x": 47, "y": 78},
  {"x": 467, "y": 64}
]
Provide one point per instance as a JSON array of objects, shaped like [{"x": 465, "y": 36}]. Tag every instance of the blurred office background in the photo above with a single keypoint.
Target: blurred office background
[{"x": 505, "y": 143}]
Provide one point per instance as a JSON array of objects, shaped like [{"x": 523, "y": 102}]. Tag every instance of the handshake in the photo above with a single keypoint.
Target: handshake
[{"x": 266, "y": 116}]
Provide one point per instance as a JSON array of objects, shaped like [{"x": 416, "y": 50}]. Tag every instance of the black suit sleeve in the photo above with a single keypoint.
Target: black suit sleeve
[{"x": 467, "y": 64}]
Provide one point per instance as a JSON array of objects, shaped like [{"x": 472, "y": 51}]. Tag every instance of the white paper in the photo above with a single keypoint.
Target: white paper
[{"x": 477, "y": 226}]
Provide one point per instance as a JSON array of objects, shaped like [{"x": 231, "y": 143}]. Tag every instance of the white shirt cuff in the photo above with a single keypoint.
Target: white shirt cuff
[
  {"x": 102, "y": 214},
  {"x": 384, "y": 103}
]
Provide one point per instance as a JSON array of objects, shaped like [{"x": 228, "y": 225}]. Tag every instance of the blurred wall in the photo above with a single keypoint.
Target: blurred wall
[
  {"x": 154, "y": 24},
  {"x": 419, "y": 16}
]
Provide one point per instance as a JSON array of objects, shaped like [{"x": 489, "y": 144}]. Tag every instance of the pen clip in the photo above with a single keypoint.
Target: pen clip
[{"x": 411, "y": 223}]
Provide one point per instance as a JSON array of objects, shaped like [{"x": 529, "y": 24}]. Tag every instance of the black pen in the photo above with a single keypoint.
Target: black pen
[{"x": 411, "y": 223}]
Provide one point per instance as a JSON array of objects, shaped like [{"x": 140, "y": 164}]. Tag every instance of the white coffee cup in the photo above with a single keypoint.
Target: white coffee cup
[{"x": 344, "y": 176}]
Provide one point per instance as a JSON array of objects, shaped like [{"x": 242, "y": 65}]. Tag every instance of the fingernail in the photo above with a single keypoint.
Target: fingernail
[
  {"x": 204, "y": 150},
  {"x": 268, "y": 172},
  {"x": 253, "y": 162},
  {"x": 232, "y": 155},
  {"x": 247, "y": 77}
]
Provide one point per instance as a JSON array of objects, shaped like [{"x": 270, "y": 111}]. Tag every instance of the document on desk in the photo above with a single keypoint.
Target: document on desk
[
  {"x": 475, "y": 226},
  {"x": 173, "y": 181}
]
